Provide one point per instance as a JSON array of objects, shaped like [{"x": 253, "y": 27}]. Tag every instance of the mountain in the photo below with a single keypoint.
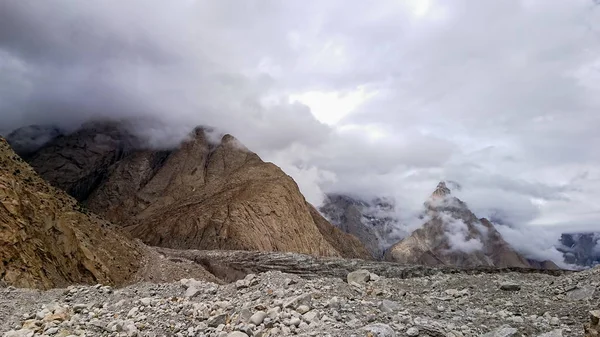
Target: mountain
[
  {"x": 26, "y": 140},
  {"x": 48, "y": 240},
  {"x": 201, "y": 195},
  {"x": 369, "y": 221},
  {"x": 453, "y": 235},
  {"x": 581, "y": 249}
]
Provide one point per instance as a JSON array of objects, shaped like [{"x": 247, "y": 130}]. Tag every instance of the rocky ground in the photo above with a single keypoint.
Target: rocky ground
[{"x": 279, "y": 304}]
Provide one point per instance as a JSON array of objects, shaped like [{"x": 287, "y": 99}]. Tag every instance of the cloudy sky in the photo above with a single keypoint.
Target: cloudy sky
[{"x": 361, "y": 97}]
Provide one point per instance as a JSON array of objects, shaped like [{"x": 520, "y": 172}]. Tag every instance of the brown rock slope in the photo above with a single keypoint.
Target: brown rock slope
[
  {"x": 199, "y": 196},
  {"x": 48, "y": 240},
  {"x": 453, "y": 235}
]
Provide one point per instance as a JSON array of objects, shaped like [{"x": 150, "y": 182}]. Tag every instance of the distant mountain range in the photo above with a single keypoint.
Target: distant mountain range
[
  {"x": 207, "y": 195},
  {"x": 451, "y": 234},
  {"x": 581, "y": 249}
]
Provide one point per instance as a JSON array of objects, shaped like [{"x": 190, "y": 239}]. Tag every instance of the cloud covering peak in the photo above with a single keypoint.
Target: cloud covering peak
[{"x": 377, "y": 99}]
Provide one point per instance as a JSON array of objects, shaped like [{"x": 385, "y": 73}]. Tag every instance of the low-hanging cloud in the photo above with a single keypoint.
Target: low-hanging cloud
[
  {"x": 498, "y": 96},
  {"x": 457, "y": 233}
]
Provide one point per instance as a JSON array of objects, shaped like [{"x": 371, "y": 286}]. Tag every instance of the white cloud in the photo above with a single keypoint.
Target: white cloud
[{"x": 457, "y": 232}]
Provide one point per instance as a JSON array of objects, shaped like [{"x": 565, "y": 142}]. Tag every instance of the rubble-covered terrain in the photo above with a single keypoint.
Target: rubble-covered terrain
[{"x": 278, "y": 304}]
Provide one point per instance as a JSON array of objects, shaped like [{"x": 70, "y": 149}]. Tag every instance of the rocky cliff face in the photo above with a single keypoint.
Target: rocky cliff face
[
  {"x": 198, "y": 196},
  {"x": 347, "y": 214},
  {"x": 453, "y": 235},
  {"x": 370, "y": 221},
  {"x": 49, "y": 240}
]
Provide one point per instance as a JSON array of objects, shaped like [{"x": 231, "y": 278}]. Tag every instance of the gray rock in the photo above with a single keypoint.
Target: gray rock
[
  {"x": 510, "y": 286},
  {"x": 388, "y": 306},
  {"x": 191, "y": 292},
  {"x": 295, "y": 321},
  {"x": 51, "y": 331},
  {"x": 553, "y": 333},
  {"x": 379, "y": 330},
  {"x": 302, "y": 309},
  {"x": 77, "y": 308},
  {"x": 215, "y": 321},
  {"x": 258, "y": 317},
  {"x": 503, "y": 331},
  {"x": 237, "y": 334},
  {"x": 412, "y": 332},
  {"x": 298, "y": 300},
  {"x": 273, "y": 312},
  {"x": 581, "y": 293},
  {"x": 19, "y": 333},
  {"x": 360, "y": 276},
  {"x": 312, "y": 316},
  {"x": 146, "y": 301}
]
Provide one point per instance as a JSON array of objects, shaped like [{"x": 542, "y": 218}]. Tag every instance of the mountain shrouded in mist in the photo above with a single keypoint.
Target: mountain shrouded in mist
[
  {"x": 199, "y": 195},
  {"x": 348, "y": 98}
]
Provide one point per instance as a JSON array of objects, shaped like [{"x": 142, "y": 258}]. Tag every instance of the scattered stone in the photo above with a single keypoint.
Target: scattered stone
[
  {"x": 302, "y": 309},
  {"x": 504, "y": 331},
  {"x": 412, "y": 332},
  {"x": 437, "y": 305},
  {"x": 304, "y": 299},
  {"x": 379, "y": 330},
  {"x": 553, "y": 333},
  {"x": 237, "y": 334},
  {"x": 581, "y": 293},
  {"x": 510, "y": 286},
  {"x": 258, "y": 317},
  {"x": 295, "y": 321},
  {"x": 215, "y": 321},
  {"x": 592, "y": 328},
  {"x": 312, "y": 316},
  {"x": 389, "y": 306},
  {"x": 359, "y": 276}
]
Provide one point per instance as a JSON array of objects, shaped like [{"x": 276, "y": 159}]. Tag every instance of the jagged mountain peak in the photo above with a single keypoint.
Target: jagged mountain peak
[
  {"x": 453, "y": 235},
  {"x": 203, "y": 194},
  {"x": 441, "y": 191}
]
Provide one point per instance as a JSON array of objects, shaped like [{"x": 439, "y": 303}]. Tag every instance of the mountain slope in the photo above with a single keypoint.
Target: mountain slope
[
  {"x": 48, "y": 240},
  {"x": 453, "y": 235},
  {"x": 198, "y": 196}
]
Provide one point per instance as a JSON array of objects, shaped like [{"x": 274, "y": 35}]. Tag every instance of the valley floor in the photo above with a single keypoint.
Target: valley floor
[{"x": 273, "y": 303}]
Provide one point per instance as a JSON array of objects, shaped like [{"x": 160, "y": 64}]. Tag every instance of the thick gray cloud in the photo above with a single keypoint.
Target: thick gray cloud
[{"x": 501, "y": 96}]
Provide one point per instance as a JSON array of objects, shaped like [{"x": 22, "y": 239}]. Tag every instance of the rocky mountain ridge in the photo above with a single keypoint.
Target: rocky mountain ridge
[
  {"x": 198, "y": 196},
  {"x": 453, "y": 235}
]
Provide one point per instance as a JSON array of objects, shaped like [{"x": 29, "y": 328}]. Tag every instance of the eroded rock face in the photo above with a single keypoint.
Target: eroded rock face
[
  {"x": 48, "y": 240},
  {"x": 349, "y": 215},
  {"x": 453, "y": 235},
  {"x": 198, "y": 196}
]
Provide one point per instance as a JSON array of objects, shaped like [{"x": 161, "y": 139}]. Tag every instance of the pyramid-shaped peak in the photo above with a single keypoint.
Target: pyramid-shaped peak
[{"x": 441, "y": 191}]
